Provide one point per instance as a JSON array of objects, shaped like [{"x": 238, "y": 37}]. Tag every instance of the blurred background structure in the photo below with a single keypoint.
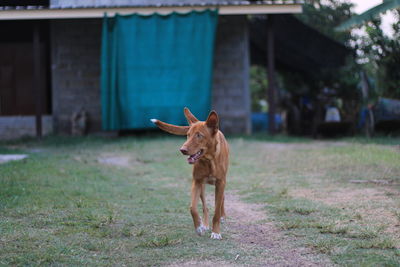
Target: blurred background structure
[
  {"x": 283, "y": 66},
  {"x": 67, "y": 77},
  {"x": 342, "y": 62}
]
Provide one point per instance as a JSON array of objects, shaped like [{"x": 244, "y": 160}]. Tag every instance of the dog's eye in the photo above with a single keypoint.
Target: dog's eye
[{"x": 198, "y": 135}]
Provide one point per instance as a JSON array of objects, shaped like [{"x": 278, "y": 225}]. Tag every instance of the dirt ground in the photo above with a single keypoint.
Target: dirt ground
[{"x": 250, "y": 227}]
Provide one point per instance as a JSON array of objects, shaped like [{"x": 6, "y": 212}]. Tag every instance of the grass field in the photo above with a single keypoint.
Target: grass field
[{"x": 94, "y": 201}]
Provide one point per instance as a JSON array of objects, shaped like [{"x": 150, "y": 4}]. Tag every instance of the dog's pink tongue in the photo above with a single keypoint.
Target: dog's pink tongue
[{"x": 190, "y": 160}]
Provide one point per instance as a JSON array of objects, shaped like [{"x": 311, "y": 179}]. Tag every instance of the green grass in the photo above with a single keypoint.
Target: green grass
[
  {"x": 278, "y": 138},
  {"x": 317, "y": 220},
  {"x": 61, "y": 206},
  {"x": 378, "y": 140}
]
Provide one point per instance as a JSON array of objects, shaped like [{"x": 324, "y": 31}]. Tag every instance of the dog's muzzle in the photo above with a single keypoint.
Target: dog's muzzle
[{"x": 193, "y": 158}]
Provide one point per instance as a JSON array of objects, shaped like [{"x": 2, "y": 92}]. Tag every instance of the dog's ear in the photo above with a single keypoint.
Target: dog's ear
[
  {"x": 212, "y": 122},
  {"x": 189, "y": 116},
  {"x": 172, "y": 129}
]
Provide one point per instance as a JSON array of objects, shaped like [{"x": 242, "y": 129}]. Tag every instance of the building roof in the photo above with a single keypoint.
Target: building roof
[
  {"x": 61, "y": 4},
  {"x": 161, "y": 3},
  {"x": 69, "y": 9}
]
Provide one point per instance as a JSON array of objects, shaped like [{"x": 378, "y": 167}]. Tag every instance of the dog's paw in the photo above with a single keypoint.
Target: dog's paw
[
  {"x": 215, "y": 236},
  {"x": 201, "y": 230}
]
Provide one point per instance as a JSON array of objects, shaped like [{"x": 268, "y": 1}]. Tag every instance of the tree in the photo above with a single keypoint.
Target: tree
[
  {"x": 380, "y": 55},
  {"x": 325, "y": 15},
  {"x": 369, "y": 15},
  {"x": 377, "y": 52}
]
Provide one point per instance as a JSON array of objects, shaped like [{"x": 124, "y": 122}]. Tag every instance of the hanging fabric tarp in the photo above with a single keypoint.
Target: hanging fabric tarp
[{"x": 153, "y": 66}]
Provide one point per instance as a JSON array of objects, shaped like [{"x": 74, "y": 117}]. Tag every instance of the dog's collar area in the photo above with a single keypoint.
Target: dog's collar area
[{"x": 193, "y": 158}]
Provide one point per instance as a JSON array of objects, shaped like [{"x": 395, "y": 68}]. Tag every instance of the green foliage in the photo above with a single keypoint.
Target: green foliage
[
  {"x": 325, "y": 15},
  {"x": 377, "y": 52},
  {"x": 258, "y": 87},
  {"x": 381, "y": 56},
  {"x": 370, "y": 14}
]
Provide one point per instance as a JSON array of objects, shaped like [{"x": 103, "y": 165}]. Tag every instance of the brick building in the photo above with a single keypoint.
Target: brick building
[{"x": 60, "y": 71}]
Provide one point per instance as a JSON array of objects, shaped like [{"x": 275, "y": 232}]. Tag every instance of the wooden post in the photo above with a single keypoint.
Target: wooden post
[
  {"x": 271, "y": 75},
  {"x": 37, "y": 81}
]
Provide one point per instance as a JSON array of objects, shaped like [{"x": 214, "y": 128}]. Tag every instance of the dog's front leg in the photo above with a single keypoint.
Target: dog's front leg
[
  {"x": 205, "y": 209},
  {"x": 219, "y": 197},
  {"x": 196, "y": 190}
]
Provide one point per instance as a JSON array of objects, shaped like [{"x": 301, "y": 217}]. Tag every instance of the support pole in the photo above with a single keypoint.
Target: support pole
[
  {"x": 37, "y": 87},
  {"x": 271, "y": 75}
]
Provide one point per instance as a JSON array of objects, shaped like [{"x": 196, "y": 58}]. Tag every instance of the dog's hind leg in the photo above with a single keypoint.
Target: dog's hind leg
[
  {"x": 205, "y": 209},
  {"x": 223, "y": 215}
]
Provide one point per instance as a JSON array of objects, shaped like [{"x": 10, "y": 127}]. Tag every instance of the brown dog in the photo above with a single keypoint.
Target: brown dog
[{"x": 209, "y": 153}]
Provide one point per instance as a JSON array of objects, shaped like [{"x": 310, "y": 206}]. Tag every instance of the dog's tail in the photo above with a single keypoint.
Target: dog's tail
[{"x": 169, "y": 128}]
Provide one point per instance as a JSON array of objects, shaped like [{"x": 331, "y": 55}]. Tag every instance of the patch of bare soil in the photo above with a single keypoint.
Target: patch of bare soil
[
  {"x": 121, "y": 161},
  {"x": 118, "y": 160},
  {"x": 342, "y": 196},
  {"x": 7, "y": 158},
  {"x": 205, "y": 263},
  {"x": 313, "y": 145}
]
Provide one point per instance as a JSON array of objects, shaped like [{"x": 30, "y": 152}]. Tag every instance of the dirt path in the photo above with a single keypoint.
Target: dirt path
[{"x": 250, "y": 227}]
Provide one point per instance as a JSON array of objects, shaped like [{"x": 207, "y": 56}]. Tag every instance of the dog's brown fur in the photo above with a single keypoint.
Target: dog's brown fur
[{"x": 210, "y": 166}]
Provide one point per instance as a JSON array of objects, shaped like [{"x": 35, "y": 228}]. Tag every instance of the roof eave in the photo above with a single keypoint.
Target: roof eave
[{"x": 85, "y": 13}]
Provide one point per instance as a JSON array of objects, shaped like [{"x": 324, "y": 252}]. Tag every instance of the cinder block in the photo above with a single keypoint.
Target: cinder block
[
  {"x": 13, "y": 127},
  {"x": 76, "y": 71}
]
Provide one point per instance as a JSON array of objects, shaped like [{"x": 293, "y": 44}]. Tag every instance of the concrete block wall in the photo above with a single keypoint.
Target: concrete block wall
[
  {"x": 13, "y": 127},
  {"x": 75, "y": 67},
  {"x": 231, "y": 93}
]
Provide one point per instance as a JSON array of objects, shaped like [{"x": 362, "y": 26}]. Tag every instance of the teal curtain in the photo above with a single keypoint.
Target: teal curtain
[{"x": 153, "y": 66}]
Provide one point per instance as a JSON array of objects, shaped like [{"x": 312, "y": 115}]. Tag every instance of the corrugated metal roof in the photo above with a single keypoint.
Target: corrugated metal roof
[
  {"x": 22, "y": 7},
  {"x": 158, "y": 3},
  {"x": 71, "y": 4}
]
